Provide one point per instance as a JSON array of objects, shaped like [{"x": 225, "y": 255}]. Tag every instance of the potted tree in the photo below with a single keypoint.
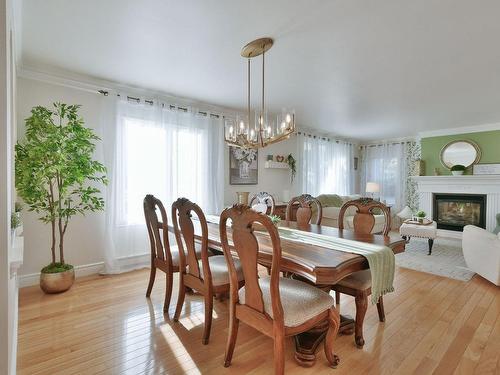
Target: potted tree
[
  {"x": 457, "y": 170},
  {"x": 56, "y": 176}
]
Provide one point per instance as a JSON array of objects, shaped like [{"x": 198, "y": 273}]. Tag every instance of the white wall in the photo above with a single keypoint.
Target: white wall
[
  {"x": 84, "y": 240},
  {"x": 8, "y": 287},
  {"x": 274, "y": 181}
]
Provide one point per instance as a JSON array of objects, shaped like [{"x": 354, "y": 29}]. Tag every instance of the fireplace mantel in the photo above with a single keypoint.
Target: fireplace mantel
[{"x": 467, "y": 184}]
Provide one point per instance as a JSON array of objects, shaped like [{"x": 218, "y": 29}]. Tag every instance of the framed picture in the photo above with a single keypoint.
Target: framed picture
[
  {"x": 243, "y": 166},
  {"x": 486, "y": 169}
]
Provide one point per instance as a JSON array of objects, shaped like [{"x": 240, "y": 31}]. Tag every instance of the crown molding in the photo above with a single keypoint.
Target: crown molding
[
  {"x": 460, "y": 130},
  {"x": 93, "y": 85}
]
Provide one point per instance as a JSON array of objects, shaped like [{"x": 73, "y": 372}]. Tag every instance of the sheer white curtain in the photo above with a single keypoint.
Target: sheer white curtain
[
  {"x": 325, "y": 166},
  {"x": 159, "y": 151},
  {"x": 386, "y": 165}
]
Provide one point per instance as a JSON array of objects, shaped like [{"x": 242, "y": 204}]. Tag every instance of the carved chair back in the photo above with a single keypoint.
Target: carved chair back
[
  {"x": 261, "y": 199},
  {"x": 246, "y": 248},
  {"x": 304, "y": 213},
  {"x": 182, "y": 210},
  {"x": 364, "y": 219},
  {"x": 157, "y": 230}
]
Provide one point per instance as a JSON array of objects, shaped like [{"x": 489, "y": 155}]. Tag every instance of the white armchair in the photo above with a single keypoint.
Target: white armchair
[{"x": 482, "y": 252}]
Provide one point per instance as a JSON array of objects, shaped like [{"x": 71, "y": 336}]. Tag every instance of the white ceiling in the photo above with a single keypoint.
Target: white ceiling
[{"x": 358, "y": 69}]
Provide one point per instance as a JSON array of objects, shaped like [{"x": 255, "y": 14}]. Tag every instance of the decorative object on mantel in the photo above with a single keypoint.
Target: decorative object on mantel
[
  {"x": 270, "y": 158},
  {"x": 461, "y": 152},
  {"x": 242, "y": 197},
  {"x": 419, "y": 167},
  {"x": 243, "y": 166},
  {"x": 56, "y": 177},
  {"x": 262, "y": 131},
  {"x": 280, "y": 158},
  {"x": 437, "y": 172},
  {"x": 457, "y": 170},
  {"x": 486, "y": 169}
]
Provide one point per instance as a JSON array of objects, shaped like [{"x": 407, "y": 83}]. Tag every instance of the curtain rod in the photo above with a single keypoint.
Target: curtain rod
[
  {"x": 323, "y": 138},
  {"x": 386, "y": 143},
  {"x": 171, "y": 106}
]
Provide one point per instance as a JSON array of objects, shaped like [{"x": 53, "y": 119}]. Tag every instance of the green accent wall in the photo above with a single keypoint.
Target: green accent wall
[{"x": 489, "y": 143}]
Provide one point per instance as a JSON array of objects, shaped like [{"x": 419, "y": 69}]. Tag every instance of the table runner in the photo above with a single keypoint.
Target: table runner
[{"x": 380, "y": 258}]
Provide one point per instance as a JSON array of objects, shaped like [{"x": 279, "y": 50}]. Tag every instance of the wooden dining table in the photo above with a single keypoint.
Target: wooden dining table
[{"x": 319, "y": 265}]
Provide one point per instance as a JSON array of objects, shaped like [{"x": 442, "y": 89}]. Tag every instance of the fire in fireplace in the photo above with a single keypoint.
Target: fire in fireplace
[{"x": 454, "y": 211}]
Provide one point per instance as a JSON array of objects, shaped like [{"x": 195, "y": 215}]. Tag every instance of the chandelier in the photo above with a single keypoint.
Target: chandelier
[{"x": 264, "y": 130}]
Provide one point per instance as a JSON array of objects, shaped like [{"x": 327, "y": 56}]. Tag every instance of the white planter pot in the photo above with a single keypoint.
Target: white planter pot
[{"x": 457, "y": 173}]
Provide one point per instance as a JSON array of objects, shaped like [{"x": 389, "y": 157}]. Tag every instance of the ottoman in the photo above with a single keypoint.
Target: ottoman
[{"x": 429, "y": 231}]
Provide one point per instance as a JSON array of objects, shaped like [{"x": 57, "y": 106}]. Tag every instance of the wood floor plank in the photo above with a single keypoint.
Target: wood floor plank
[{"x": 105, "y": 325}]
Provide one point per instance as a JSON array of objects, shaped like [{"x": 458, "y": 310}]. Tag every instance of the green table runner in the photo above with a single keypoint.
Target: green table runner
[{"x": 380, "y": 258}]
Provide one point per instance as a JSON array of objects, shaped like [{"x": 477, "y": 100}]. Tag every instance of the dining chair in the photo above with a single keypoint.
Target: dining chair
[
  {"x": 307, "y": 205},
  {"x": 209, "y": 275},
  {"x": 263, "y": 201},
  {"x": 358, "y": 284},
  {"x": 163, "y": 256},
  {"x": 277, "y": 307}
]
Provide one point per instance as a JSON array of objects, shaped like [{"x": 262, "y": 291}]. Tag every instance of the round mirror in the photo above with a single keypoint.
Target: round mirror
[{"x": 463, "y": 153}]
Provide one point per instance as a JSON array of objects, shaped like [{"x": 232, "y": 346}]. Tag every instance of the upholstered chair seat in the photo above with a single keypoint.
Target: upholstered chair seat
[
  {"x": 218, "y": 268},
  {"x": 175, "y": 253},
  {"x": 357, "y": 280},
  {"x": 300, "y": 301}
]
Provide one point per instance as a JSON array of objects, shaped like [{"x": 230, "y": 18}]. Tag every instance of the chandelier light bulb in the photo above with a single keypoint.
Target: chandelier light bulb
[{"x": 259, "y": 130}]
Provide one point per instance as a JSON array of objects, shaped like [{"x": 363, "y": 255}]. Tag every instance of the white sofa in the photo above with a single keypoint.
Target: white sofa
[
  {"x": 331, "y": 216},
  {"x": 482, "y": 252}
]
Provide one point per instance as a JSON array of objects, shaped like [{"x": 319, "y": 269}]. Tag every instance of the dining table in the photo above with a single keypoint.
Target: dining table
[{"x": 318, "y": 265}]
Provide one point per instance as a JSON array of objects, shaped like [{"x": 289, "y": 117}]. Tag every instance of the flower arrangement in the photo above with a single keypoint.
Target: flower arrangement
[
  {"x": 242, "y": 154},
  {"x": 275, "y": 219}
]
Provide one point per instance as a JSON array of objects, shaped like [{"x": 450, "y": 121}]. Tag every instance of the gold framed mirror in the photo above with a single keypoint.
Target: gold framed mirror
[{"x": 460, "y": 152}]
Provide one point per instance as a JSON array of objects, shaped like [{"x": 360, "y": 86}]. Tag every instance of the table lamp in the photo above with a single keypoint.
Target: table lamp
[{"x": 372, "y": 187}]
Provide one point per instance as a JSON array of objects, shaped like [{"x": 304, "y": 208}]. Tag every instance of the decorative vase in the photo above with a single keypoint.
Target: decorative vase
[
  {"x": 457, "y": 173},
  {"x": 420, "y": 220},
  {"x": 242, "y": 197},
  {"x": 59, "y": 282}
]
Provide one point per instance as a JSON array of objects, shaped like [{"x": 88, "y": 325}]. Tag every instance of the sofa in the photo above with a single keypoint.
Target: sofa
[
  {"x": 332, "y": 203},
  {"x": 482, "y": 252}
]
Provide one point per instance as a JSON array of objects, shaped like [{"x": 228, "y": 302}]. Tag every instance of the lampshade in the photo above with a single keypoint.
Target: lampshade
[{"x": 372, "y": 187}]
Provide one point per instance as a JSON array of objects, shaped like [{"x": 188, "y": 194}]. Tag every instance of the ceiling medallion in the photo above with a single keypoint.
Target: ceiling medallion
[{"x": 263, "y": 131}]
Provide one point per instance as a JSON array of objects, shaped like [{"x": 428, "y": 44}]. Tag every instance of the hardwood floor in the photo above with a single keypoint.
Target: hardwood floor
[{"x": 105, "y": 325}]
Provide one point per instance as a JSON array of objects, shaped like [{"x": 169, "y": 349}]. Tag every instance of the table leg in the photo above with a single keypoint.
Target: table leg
[
  {"x": 431, "y": 242},
  {"x": 306, "y": 344}
]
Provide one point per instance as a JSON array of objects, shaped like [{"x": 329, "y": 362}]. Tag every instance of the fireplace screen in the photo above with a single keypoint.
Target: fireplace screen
[{"x": 453, "y": 212}]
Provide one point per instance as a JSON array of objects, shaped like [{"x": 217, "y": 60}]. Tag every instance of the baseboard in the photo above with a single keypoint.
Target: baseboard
[{"x": 82, "y": 270}]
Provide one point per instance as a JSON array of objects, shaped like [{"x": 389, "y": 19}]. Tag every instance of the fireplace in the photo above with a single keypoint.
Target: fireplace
[{"x": 454, "y": 211}]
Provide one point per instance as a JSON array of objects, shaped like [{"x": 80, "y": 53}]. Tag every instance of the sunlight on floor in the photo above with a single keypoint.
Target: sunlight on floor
[{"x": 186, "y": 363}]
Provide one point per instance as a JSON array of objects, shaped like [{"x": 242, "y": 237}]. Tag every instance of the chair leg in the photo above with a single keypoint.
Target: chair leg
[
  {"x": 168, "y": 291},
  {"x": 209, "y": 305},
  {"x": 231, "y": 338},
  {"x": 180, "y": 298},
  {"x": 380, "y": 308},
  {"x": 279, "y": 353},
  {"x": 361, "y": 300},
  {"x": 331, "y": 334},
  {"x": 152, "y": 275},
  {"x": 337, "y": 297}
]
